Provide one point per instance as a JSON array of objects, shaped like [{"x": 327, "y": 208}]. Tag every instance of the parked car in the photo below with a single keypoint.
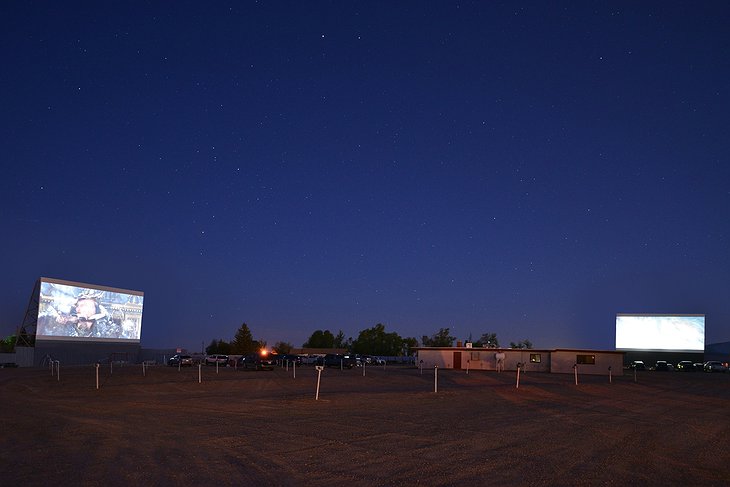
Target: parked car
[
  {"x": 373, "y": 360},
  {"x": 699, "y": 366},
  {"x": 638, "y": 365},
  {"x": 715, "y": 366},
  {"x": 180, "y": 361},
  {"x": 310, "y": 359},
  {"x": 686, "y": 366},
  {"x": 338, "y": 360},
  {"x": 291, "y": 358},
  {"x": 221, "y": 360},
  {"x": 257, "y": 361},
  {"x": 661, "y": 365}
]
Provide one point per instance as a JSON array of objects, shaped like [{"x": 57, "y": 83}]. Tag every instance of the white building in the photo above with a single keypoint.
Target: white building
[{"x": 596, "y": 362}]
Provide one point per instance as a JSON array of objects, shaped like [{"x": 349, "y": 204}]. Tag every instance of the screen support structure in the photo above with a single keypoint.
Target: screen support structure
[{"x": 25, "y": 336}]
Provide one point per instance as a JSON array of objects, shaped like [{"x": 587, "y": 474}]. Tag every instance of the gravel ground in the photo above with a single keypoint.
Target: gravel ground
[{"x": 386, "y": 428}]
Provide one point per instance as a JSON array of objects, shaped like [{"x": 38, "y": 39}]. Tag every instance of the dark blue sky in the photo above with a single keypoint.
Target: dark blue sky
[{"x": 529, "y": 168}]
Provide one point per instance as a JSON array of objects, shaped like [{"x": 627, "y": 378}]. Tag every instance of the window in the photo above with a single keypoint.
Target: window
[
  {"x": 535, "y": 358},
  {"x": 585, "y": 359},
  {"x": 475, "y": 356}
]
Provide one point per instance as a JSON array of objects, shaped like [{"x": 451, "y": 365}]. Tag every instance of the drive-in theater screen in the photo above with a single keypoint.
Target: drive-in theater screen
[
  {"x": 678, "y": 333},
  {"x": 84, "y": 312}
]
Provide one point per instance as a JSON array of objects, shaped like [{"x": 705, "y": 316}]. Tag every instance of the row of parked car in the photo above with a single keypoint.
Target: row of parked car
[
  {"x": 257, "y": 361},
  {"x": 267, "y": 361},
  {"x": 683, "y": 366}
]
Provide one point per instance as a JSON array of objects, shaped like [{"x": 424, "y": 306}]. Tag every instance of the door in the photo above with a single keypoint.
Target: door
[{"x": 457, "y": 360}]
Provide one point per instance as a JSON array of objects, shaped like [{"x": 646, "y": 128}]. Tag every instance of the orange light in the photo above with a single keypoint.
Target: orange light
[{"x": 264, "y": 352}]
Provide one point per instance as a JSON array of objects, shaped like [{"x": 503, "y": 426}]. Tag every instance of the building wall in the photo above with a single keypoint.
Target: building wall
[
  {"x": 557, "y": 361},
  {"x": 483, "y": 358},
  {"x": 83, "y": 353},
  {"x": 562, "y": 361}
]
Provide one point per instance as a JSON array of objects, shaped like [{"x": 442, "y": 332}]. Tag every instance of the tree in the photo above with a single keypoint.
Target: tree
[
  {"x": 320, "y": 339},
  {"x": 488, "y": 340},
  {"x": 218, "y": 346},
  {"x": 521, "y": 344},
  {"x": 243, "y": 341},
  {"x": 409, "y": 344},
  {"x": 282, "y": 347},
  {"x": 342, "y": 342},
  {"x": 375, "y": 341},
  {"x": 439, "y": 339},
  {"x": 7, "y": 345}
]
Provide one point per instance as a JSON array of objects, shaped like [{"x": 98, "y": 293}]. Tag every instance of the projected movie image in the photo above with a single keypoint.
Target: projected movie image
[
  {"x": 680, "y": 333},
  {"x": 73, "y": 312}
]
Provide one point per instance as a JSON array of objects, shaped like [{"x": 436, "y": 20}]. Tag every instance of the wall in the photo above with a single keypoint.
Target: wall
[
  {"x": 483, "y": 358},
  {"x": 562, "y": 361},
  {"x": 83, "y": 353},
  {"x": 22, "y": 357}
]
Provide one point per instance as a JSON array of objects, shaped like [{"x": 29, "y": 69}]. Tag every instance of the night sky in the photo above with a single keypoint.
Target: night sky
[{"x": 529, "y": 168}]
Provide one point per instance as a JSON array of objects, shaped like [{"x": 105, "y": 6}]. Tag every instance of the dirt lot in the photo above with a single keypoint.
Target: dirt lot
[{"x": 386, "y": 428}]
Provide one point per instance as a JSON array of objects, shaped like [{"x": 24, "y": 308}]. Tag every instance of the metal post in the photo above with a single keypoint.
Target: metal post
[
  {"x": 575, "y": 372},
  {"x": 58, "y": 369},
  {"x": 294, "y": 368},
  {"x": 519, "y": 366},
  {"x": 111, "y": 366},
  {"x": 97, "y": 376},
  {"x": 216, "y": 366},
  {"x": 435, "y": 378},
  {"x": 363, "y": 368},
  {"x": 200, "y": 374},
  {"x": 609, "y": 375},
  {"x": 467, "y": 367},
  {"x": 319, "y": 374}
]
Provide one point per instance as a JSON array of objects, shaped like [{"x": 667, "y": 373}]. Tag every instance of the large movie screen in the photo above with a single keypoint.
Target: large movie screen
[
  {"x": 677, "y": 333},
  {"x": 83, "y": 312}
]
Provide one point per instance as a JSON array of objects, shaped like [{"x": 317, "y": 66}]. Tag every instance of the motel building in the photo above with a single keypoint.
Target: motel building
[{"x": 561, "y": 361}]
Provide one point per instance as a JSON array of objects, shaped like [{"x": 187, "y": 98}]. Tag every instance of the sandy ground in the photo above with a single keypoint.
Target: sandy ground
[{"x": 388, "y": 427}]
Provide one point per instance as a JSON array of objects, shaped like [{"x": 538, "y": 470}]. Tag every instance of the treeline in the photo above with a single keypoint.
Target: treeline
[{"x": 371, "y": 341}]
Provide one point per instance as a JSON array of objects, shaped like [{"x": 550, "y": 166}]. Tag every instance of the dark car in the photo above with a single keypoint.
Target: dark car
[
  {"x": 661, "y": 365},
  {"x": 257, "y": 361},
  {"x": 686, "y": 366},
  {"x": 290, "y": 358},
  {"x": 715, "y": 366},
  {"x": 221, "y": 360},
  {"x": 180, "y": 361},
  {"x": 339, "y": 360},
  {"x": 638, "y": 365}
]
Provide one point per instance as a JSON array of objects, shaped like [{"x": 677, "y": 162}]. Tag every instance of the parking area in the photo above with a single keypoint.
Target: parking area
[{"x": 387, "y": 427}]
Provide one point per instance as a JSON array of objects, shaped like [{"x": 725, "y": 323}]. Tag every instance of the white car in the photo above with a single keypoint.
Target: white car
[{"x": 221, "y": 360}]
